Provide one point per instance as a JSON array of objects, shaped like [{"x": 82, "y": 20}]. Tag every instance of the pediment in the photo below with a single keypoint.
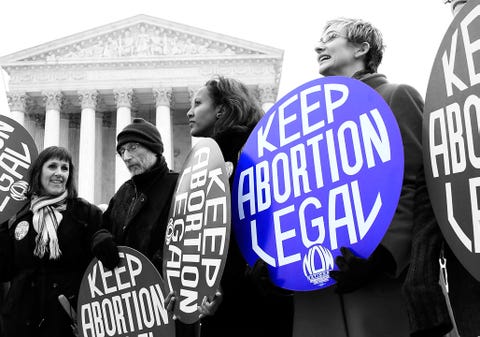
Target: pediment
[{"x": 140, "y": 37}]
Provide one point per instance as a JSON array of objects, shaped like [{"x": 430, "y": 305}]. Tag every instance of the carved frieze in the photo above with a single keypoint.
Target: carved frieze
[{"x": 140, "y": 40}]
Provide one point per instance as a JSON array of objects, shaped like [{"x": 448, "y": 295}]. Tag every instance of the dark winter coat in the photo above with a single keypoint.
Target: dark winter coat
[
  {"x": 377, "y": 309},
  {"x": 137, "y": 214},
  {"x": 426, "y": 303},
  {"x": 31, "y": 308},
  {"x": 244, "y": 310},
  {"x": 427, "y": 308}
]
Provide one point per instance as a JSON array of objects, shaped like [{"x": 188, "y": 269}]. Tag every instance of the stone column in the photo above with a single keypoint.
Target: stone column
[
  {"x": 53, "y": 102},
  {"x": 163, "y": 121},
  {"x": 86, "y": 158},
  {"x": 268, "y": 95},
  {"x": 18, "y": 103},
  {"x": 124, "y": 100}
]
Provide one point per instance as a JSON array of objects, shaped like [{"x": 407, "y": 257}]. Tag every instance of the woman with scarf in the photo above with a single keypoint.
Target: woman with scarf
[
  {"x": 247, "y": 304},
  {"x": 46, "y": 247}
]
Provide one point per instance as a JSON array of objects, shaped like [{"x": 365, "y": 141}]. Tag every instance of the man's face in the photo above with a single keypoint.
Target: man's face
[
  {"x": 336, "y": 54},
  {"x": 137, "y": 158}
]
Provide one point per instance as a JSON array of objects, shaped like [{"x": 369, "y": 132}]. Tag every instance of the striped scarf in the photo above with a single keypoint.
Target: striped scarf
[{"x": 46, "y": 218}]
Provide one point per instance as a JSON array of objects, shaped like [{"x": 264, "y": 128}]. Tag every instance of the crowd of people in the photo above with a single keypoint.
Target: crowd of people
[{"x": 397, "y": 291}]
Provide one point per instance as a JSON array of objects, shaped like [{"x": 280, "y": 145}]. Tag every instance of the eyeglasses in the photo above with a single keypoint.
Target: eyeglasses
[
  {"x": 130, "y": 147},
  {"x": 330, "y": 36}
]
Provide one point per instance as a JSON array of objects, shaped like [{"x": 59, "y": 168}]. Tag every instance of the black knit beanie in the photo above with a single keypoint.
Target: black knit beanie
[{"x": 143, "y": 132}]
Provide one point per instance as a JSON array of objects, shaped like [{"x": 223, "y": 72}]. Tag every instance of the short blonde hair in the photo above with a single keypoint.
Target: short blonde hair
[{"x": 359, "y": 31}]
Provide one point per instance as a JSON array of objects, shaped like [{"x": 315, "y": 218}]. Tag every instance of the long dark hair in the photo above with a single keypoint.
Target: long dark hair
[
  {"x": 52, "y": 152},
  {"x": 240, "y": 109}
]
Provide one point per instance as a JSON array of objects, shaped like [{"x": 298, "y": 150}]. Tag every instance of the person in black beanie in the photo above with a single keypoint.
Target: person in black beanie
[{"x": 137, "y": 214}]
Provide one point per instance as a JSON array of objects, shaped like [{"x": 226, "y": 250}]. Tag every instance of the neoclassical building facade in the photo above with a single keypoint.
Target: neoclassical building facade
[{"x": 80, "y": 91}]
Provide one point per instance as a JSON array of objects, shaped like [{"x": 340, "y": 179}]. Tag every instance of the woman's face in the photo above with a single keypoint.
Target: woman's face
[
  {"x": 54, "y": 176},
  {"x": 335, "y": 54},
  {"x": 202, "y": 115}
]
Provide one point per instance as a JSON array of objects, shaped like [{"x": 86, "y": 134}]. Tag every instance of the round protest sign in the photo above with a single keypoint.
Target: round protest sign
[
  {"x": 198, "y": 232},
  {"x": 17, "y": 153},
  {"x": 451, "y": 137},
  {"x": 126, "y": 301},
  {"x": 322, "y": 169}
]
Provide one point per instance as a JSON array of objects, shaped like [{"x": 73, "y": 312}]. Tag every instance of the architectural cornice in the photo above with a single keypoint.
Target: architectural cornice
[
  {"x": 144, "y": 62},
  {"x": 140, "y": 36}
]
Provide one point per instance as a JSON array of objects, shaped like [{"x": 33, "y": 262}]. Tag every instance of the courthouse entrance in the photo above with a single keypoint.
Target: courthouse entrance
[{"x": 81, "y": 90}]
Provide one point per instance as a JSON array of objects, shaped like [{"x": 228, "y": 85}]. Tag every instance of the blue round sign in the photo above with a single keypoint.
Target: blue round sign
[{"x": 322, "y": 169}]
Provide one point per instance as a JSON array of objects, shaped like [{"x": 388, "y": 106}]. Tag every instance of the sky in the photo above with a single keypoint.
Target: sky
[{"x": 412, "y": 29}]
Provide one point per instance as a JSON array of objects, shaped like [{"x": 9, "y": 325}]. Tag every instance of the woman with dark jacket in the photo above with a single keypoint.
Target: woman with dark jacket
[
  {"x": 46, "y": 247},
  {"x": 366, "y": 299},
  {"x": 225, "y": 110}
]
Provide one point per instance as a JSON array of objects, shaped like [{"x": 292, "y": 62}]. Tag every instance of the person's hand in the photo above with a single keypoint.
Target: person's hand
[
  {"x": 260, "y": 277},
  {"x": 105, "y": 249},
  {"x": 169, "y": 303},
  {"x": 355, "y": 272},
  {"x": 209, "y": 307}
]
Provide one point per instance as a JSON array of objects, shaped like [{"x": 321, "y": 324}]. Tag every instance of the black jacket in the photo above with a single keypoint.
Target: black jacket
[
  {"x": 32, "y": 307},
  {"x": 137, "y": 214},
  {"x": 244, "y": 310}
]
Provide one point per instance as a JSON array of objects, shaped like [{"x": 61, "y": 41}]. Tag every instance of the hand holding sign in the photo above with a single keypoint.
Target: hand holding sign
[
  {"x": 128, "y": 300},
  {"x": 322, "y": 169},
  {"x": 198, "y": 232},
  {"x": 354, "y": 272}
]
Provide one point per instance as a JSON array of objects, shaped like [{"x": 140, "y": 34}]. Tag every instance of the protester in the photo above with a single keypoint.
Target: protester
[
  {"x": 366, "y": 299},
  {"x": 464, "y": 289},
  {"x": 247, "y": 304},
  {"x": 47, "y": 246},
  {"x": 432, "y": 311},
  {"x": 137, "y": 214}
]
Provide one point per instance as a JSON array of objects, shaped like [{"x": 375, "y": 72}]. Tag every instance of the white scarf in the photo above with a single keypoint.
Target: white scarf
[{"x": 46, "y": 218}]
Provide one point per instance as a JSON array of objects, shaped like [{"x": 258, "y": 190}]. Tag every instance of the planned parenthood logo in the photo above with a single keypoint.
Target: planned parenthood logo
[{"x": 322, "y": 169}]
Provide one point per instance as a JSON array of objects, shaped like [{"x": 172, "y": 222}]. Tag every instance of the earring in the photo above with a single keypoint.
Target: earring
[{"x": 219, "y": 115}]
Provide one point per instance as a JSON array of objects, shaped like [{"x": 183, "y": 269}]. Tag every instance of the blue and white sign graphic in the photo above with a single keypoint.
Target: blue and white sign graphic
[{"x": 322, "y": 169}]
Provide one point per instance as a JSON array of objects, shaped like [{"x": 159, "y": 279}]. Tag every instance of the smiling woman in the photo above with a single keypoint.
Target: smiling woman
[
  {"x": 55, "y": 173},
  {"x": 46, "y": 247}
]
